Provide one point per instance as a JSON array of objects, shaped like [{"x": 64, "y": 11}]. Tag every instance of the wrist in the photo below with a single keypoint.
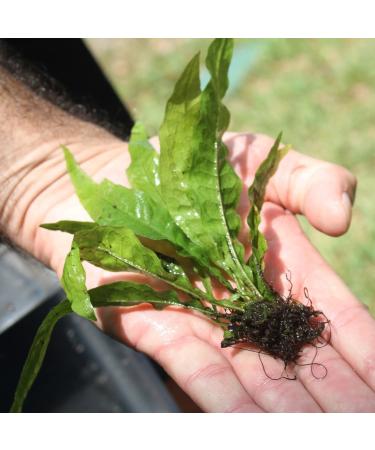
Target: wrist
[
  {"x": 37, "y": 185},
  {"x": 34, "y": 184}
]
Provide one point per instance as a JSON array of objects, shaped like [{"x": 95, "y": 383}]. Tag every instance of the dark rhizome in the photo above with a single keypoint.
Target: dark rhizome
[{"x": 281, "y": 329}]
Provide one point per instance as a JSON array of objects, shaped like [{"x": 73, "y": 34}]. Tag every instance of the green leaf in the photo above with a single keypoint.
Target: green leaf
[
  {"x": 121, "y": 293},
  {"x": 69, "y": 226},
  {"x": 230, "y": 188},
  {"x": 74, "y": 284},
  {"x": 118, "y": 249},
  {"x": 218, "y": 61},
  {"x": 143, "y": 172},
  {"x": 256, "y": 195},
  {"x": 115, "y": 205},
  {"x": 177, "y": 137},
  {"x": 126, "y": 293},
  {"x": 199, "y": 260},
  {"x": 112, "y": 204},
  {"x": 199, "y": 188},
  {"x": 36, "y": 354},
  {"x": 265, "y": 171}
]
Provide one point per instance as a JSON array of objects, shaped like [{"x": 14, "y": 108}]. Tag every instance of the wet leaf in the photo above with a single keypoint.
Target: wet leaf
[
  {"x": 265, "y": 171},
  {"x": 143, "y": 172},
  {"x": 126, "y": 293},
  {"x": 36, "y": 354},
  {"x": 69, "y": 226},
  {"x": 200, "y": 263},
  {"x": 112, "y": 204},
  {"x": 121, "y": 293},
  {"x": 118, "y": 249},
  {"x": 199, "y": 188},
  {"x": 115, "y": 205},
  {"x": 74, "y": 283},
  {"x": 256, "y": 195}
]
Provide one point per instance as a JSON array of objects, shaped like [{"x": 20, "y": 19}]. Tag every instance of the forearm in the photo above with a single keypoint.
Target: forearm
[{"x": 33, "y": 175}]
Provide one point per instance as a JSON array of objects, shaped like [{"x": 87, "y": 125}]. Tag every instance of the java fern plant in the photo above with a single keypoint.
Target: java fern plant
[{"x": 184, "y": 198}]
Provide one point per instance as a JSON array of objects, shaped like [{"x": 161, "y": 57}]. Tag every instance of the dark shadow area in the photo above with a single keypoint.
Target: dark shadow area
[
  {"x": 64, "y": 72},
  {"x": 84, "y": 370}
]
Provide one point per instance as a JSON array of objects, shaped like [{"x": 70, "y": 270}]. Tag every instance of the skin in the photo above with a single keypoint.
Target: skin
[
  {"x": 187, "y": 345},
  {"x": 36, "y": 189}
]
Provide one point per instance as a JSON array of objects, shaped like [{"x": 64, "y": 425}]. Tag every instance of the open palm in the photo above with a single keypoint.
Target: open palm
[{"x": 187, "y": 345}]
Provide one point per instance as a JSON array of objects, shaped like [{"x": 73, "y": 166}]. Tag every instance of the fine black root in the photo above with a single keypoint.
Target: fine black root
[{"x": 281, "y": 328}]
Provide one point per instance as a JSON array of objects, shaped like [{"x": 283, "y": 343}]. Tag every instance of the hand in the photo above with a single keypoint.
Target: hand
[{"x": 187, "y": 345}]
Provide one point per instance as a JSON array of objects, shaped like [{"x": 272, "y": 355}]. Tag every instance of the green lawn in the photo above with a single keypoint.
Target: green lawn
[{"x": 321, "y": 93}]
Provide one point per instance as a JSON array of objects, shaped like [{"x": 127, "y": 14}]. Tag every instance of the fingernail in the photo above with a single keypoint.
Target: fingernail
[{"x": 347, "y": 205}]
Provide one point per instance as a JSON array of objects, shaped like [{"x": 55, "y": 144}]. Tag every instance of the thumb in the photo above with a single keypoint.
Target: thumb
[{"x": 321, "y": 191}]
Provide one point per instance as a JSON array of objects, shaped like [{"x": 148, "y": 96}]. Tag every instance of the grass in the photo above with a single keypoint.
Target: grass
[{"x": 320, "y": 92}]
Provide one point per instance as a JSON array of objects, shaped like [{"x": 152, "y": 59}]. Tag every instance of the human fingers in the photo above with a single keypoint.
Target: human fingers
[
  {"x": 188, "y": 347},
  {"x": 321, "y": 191},
  {"x": 332, "y": 382},
  {"x": 352, "y": 327},
  {"x": 266, "y": 381},
  {"x": 342, "y": 389}
]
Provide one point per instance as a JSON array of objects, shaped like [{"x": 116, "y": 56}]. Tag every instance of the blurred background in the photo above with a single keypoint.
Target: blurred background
[{"x": 320, "y": 92}]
